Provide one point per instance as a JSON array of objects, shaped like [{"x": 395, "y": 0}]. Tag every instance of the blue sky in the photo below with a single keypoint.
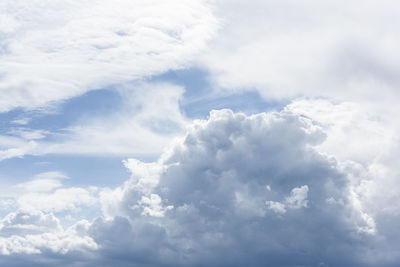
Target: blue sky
[{"x": 199, "y": 133}]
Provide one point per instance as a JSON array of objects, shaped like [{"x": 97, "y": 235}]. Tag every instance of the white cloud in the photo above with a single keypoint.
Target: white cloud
[
  {"x": 296, "y": 200},
  {"x": 43, "y": 182},
  {"x": 286, "y": 49},
  {"x": 63, "y": 199},
  {"x": 153, "y": 206},
  {"x": 276, "y": 207},
  {"x": 224, "y": 175},
  {"x": 34, "y": 232},
  {"x": 368, "y": 142},
  {"x": 367, "y": 134},
  {"x": 28, "y": 134},
  {"x": 298, "y": 197},
  {"x": 46, "y": 192},
  {"x": 22, "y": 121},
  {"x": 213, "y": 182},
  {"x": 55, "y": 50},
  {"x": 145, "y": 122},
  {"x": 20, "y": 151}
]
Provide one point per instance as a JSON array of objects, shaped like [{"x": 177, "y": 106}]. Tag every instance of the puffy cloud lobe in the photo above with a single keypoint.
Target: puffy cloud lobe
[
  {"x": 55, "y": 50},
  {"x": 349, "y": 123},
  {"x": 276, "y": 207},
  {"x": 298, "y": 197},
  {"x": 22, "y": 223},
  {"x": 296, "y": 200}
]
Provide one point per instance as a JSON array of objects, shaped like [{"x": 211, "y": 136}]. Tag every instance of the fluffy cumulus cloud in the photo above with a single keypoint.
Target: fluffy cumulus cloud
[
  {"x": 250, "y": 189},
  {"x": 239, "y": 189},
  {"x": 235, "y": 190},
  {"x": 41, "y": 230},
  {"x": 296, "y": 200},
  {"x": 55, "y": 50},
  {"x": 33, "y": 232}
]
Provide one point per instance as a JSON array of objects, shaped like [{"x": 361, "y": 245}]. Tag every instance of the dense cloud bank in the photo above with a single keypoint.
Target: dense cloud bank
[{"x": 236, "y": 190}]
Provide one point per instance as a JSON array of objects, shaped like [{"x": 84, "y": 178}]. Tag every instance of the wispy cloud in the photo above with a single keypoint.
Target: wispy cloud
[{"x": 58, "y": 50}]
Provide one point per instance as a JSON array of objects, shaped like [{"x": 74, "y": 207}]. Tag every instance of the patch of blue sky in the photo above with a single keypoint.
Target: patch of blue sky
[
  {"x": 199, "y": 97},
  {"x": 93, "y": 103}
]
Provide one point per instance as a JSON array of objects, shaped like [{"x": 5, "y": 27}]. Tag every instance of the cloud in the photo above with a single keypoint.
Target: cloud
[
  {"x": 19, "y": 151},
  {"x": 46, "y": 192},
  {"x": 34, "y": 232},
  {"x": 298, "y": 197},
  {"x": 296, "y": 200},
  {"x": 43, "y": 182},
  {"x": 28, "y": 134},
  {"x": 69, "y": 199},
  {"x": 52, "y": 51},
  {"x": 368, "y": 134},
  {"x": 276, "y": 207},
  {"x": 287, "y": 49},
  {"x": 215, "y": 181},
  {"x": 236, "y": 189},
  {"x": 22, "y": 121},
  {"x": 149, "y": 110},
  {"x": 369, "y": 142}
]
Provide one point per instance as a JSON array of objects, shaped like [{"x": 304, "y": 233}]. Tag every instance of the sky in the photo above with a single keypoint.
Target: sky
[{"x": 199, "y": 133}]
